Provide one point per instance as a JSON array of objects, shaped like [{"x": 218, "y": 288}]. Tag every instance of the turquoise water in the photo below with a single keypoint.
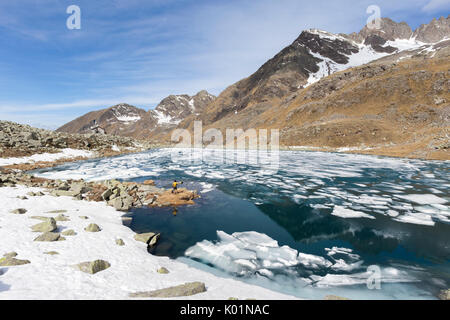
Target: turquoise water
[{"x": 331, "y": 216}]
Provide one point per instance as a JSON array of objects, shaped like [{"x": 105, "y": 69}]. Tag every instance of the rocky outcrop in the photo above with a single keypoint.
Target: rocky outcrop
[
  {"x": 184, "y": 290},
  {"x": 93, "y": 267},
  {"x": 435, "y": 31},
  {"x": 121, "y": 195},
  {"x": 389, "y": 30}
]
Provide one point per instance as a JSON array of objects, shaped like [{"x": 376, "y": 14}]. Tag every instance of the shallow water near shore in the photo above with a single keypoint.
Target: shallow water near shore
[{"x": 310, "y": 228}]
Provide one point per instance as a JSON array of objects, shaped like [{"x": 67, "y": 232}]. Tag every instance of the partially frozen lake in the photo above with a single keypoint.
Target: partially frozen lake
[{"x": 311, "y": 228}]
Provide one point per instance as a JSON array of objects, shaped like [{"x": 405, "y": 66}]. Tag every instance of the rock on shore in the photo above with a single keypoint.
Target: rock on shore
[
  {"x": 17, "y": 140},
  {"x": 121, "y": 195},
  {"x": 184, "y": 290}
]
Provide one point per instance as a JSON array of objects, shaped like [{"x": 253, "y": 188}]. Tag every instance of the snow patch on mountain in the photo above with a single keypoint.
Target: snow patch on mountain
[
  {"x": 364, "y": 55},
  {"x": 125, "y": 113},
  {"x": 164, "y": 119}
]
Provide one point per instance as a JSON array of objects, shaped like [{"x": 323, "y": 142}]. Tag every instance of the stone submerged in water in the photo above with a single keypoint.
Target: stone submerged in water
[
  {"x": 93, "y": 267},
  {"x": 184, "y": 290},
  {"x": 93, "y": 228},
  {"x": 48, "y": 225}
]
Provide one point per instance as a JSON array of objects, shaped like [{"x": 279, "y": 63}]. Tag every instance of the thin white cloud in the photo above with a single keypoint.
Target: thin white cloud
[
  {"x": 140, "y": 58},
  {"x": 436, "y": 5}
]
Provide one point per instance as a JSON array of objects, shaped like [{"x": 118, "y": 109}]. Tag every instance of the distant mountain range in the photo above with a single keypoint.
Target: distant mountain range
[
  {"x": 380, "y": 89},
  {"x": 126, "y": 120}
]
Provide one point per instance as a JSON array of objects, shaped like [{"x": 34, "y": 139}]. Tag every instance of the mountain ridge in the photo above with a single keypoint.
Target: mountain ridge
[{"x": 311, "y": 60}]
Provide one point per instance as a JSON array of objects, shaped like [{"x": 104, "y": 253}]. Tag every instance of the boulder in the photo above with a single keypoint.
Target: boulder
[
  {"x": 154, "y": 240},
  {"x": 19, "y": 211},
  {"x": 49, "y": 237},
  {"x": 35, "y": 194},
  {"x": 445, "y": 295},
  {"x": 69, "y": 232},
  {"x": 148, "y": 183},
  {"x": 11, "y": 262},
  {"x": 84, "y": 217},
  {"x": 57, "y": 211},
  {"x": 106, "y": 194},
  {"x": 93, "y": 267},
  {"x": 123, "y": 203},
  {"x": 48, "y": 225},
  {"x": 52, "y": 253},
  {"x": 333, "y": 297},
  {"x": 184, "y": 290},
  {"x": 10, "y": 255},
  {"x": 162, "y": 270},
  {"x": 62, "y": 218},
  {"x": 93, "y": 228},
  {"x": 64, "y": 193},
  {"x": 120, "y": 242},
  {"x": 144, "y": 237},
  {"x": 42, "y": 218}
]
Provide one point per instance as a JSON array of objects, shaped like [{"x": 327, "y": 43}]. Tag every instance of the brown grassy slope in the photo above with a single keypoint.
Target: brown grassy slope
[
  {"x": 395, "y": 107},
  {"x": 399, "y": 109}
]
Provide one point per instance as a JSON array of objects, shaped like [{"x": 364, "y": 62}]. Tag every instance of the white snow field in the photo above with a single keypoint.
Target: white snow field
[
  {"x": 64, "y": 154},
  {"x": 132, "y": 267}
]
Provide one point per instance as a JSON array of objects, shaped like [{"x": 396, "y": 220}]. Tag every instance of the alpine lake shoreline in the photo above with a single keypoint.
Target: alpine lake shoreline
[{"x": 122, "y": 196}]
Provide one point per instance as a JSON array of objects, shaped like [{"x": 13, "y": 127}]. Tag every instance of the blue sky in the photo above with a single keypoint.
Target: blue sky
[{"x": 140, "y": 51}]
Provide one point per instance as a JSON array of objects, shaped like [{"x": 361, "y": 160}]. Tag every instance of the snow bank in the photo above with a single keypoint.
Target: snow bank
[
  {"x": 132, "y": 268},
  {"x": 64, "y": 154}
]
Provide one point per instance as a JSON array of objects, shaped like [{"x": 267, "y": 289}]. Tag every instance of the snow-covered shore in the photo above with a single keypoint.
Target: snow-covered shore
[
  {"x": 132, "y": 269},
  {"x": 48, "y": 157}
]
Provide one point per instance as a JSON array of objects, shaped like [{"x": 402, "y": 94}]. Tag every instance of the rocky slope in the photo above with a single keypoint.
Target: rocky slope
[
  {"x": 18, "y": 140},
  {"x": 379, "y": 89},
  {"x": 314, "y": 55}
]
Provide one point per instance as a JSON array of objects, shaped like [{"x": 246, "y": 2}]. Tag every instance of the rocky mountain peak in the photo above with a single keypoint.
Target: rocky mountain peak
[
  {"x": 389, "y": 30},
  {"x": 436, "y": 30},
  {"x": 173, "y": 109}
]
